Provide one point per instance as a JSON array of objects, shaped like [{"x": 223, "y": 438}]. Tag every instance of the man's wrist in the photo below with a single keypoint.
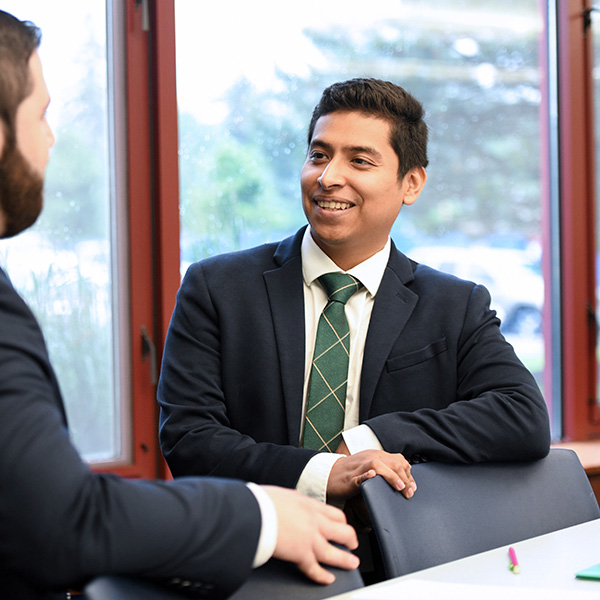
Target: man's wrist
[{"x": 315, "y": 476}]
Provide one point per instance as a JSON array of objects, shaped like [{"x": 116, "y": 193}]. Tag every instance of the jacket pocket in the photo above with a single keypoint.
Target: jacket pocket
[{"x": 417, "y": 356}]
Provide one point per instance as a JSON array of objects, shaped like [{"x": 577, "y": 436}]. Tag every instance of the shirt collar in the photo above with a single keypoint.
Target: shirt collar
[{"x": 316, "y": 263}]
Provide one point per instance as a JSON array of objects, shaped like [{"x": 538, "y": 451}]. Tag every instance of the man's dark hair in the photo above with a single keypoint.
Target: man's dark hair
[
  {"x": 18, "y": 41},
  {"x": 383, "y": 100}
]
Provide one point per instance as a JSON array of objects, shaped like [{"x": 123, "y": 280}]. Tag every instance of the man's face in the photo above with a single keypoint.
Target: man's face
[
  {"x": 34, "y": 136},
  {"x": 351, "y": 193},
  {"x": 22, "y": 168}
]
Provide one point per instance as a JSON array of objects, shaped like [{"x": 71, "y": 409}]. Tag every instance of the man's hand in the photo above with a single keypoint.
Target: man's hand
[
  {"x": 350, "y": 472},
  {"x": 306, "y": 530}
]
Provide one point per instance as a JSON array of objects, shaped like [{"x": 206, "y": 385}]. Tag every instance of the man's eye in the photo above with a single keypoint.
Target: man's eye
[{"x": 317, "y": 155}]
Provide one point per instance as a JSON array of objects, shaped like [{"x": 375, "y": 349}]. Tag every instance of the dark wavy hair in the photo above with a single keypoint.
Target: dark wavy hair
[{"x": 383, "y": 100}]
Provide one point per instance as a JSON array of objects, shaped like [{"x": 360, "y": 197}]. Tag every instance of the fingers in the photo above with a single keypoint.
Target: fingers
[
  {"x": 337, "y": 530},
  {"x": 331, "y": 512},
  {"x": 335, "y": 556},
  {"x": 331, "y": 556},
  {"x": 348, "y": 473},
  {"x": 317, "y": 573},
  {"x": 401, "y": 481},
  {"x": 325, "y": 553},
  {"x": 360, "y": 479},
  {"x": 396, "y": 470},
  {"x": 409, "y": 491},
  {"x": 307, "y": 531}
]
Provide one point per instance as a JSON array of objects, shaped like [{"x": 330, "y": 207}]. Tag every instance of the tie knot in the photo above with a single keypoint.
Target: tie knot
[{"x": 339, "y": 286}]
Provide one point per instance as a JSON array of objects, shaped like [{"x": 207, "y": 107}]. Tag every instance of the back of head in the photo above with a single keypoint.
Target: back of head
[
  {"x": 382, "y": 100},
  {"x": 18, "y": 41}
]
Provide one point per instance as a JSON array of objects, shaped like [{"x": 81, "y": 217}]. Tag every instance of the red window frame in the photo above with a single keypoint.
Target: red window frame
[
  {"x": 153, "y": 195},
  {"x": 581, "y": 418},
  {"x": 153, "y": 216}
]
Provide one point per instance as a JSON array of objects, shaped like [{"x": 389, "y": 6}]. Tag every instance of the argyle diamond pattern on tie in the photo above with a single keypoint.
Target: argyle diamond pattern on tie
[{"x": 324, "y": 421}]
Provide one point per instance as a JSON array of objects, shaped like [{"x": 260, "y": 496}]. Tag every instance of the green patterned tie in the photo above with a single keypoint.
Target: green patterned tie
[{"x": 326, "y": 405}]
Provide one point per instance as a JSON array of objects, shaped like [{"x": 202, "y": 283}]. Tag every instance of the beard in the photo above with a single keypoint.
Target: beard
[{"x": 21, "y": 193}]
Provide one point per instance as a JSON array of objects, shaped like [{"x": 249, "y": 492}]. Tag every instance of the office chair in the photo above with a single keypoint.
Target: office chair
[
  {"x": 273, "y": 581},
  {"x": 460, "y": 510}
]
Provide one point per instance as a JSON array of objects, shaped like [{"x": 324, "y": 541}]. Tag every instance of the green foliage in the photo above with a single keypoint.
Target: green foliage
[
  {"x": 74, "y": 314},
  {"x": 481, "y": 91},
  {"x": 229, "y": 194},
  {"x": 76, "y": 191}
]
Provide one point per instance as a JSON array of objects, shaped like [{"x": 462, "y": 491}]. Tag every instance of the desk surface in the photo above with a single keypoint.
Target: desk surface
[{"x": 548, "y": 566}]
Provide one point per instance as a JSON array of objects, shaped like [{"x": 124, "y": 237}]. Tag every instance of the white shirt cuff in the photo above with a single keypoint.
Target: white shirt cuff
[
  {"x": 314, "y": 477},
  {"x": 269, "y": 525},
  {"x": 360, "y": 438}
]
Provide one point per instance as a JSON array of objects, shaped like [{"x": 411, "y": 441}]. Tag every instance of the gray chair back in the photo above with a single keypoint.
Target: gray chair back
[{"x": 460, "y": 510}]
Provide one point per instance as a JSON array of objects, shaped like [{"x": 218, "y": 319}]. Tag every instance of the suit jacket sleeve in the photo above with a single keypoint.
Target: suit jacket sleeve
[
  {"x": 220, "y": 390},
  {"x": 452, "y": 388},
  {"x": 61, "y": 524}
]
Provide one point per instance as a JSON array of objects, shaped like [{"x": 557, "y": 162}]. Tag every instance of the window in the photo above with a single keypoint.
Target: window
[
  {"x": 66, "y": 265},
  {"x": 102, "y": 266},
  {"x": 478, "y": 66}
]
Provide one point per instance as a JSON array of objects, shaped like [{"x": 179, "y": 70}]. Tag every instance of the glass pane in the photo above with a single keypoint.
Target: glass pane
[
  {"x": 474, "y": 64},
  {"x": 62, "y": 266}
]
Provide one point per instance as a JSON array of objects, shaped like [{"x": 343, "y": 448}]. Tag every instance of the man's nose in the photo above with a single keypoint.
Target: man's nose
[
  {"x": 50, "y": 137},
  {"x": 331, "y": 176}
]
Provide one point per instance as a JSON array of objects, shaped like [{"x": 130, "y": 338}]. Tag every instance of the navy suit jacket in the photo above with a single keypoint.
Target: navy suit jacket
[
  {"x": 61, "y": 524},
  {"x": 439, "y": 381}
]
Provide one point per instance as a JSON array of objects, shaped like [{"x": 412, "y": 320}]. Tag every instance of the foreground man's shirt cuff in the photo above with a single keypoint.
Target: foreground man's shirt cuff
[{"x": 268, "y": 529}]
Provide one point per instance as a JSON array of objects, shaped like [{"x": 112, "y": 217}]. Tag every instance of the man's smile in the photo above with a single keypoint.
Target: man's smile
[{"x": 332, "y": 204}]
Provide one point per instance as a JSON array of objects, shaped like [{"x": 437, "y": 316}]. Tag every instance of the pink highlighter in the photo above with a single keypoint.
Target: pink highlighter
[{"x": 514, "y": 563}]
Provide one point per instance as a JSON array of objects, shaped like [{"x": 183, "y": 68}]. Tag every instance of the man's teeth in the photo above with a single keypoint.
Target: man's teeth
[{"x": 333, "y": 205}]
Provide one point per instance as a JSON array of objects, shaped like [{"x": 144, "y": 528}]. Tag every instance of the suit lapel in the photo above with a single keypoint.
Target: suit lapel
[
  {"x": 394, "y": 304},
  {"x": 286, "y": 298}
]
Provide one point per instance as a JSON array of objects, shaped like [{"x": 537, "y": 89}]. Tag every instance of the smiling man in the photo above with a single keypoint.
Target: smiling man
[
  {"x": 352, "y": 190},
  {"x": 426, "y": 374}
]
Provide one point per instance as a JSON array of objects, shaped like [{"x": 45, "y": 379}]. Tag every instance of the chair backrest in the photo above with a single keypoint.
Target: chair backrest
[{"x": 460, "y": 510}]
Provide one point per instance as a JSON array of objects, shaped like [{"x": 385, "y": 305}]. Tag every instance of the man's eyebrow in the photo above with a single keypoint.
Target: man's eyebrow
[
  {"x": 365, "y": 150},
  {"x": 316, "y": 143}
]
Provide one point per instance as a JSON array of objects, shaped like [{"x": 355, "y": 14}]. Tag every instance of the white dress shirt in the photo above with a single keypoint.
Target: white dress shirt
[
  {"x": 268, "y": 526},
  {"x": 313, "y": 480}
]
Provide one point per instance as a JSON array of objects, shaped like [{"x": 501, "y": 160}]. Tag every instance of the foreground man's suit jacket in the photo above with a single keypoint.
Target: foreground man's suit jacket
[
  {"x": 61, "y": 525},
  {"x": 439, "y": 381}
]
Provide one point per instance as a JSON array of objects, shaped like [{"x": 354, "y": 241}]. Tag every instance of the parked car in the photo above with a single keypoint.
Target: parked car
[{"x": 517, "y": 289}]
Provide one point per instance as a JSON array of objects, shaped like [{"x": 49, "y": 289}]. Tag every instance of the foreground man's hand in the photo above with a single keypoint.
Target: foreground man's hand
[
  {"x": 350, "y": 472},
  {"x": 306, "y": 532}
]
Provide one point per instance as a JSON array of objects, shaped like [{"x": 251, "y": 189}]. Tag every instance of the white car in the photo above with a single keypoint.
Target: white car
[{"x": 517, "y": 290}]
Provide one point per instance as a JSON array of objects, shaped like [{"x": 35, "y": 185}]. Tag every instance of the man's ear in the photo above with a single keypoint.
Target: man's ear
[{"x": 415, "y": 181}]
